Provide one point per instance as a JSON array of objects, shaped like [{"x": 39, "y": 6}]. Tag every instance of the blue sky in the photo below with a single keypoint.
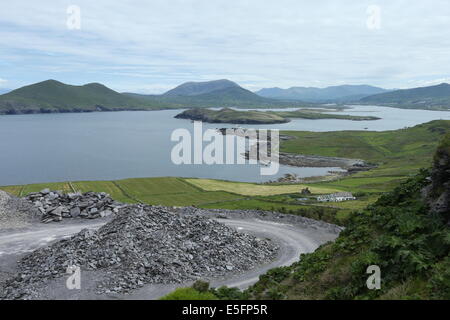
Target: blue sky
[{"x": 152, "y": 46}]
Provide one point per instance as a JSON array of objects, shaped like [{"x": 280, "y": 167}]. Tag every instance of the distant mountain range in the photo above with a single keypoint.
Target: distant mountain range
[
  {"x": 54, "y": 96},
  {"x": 433, "y": 97},
  {"x": 218, "y": 93},
  {"x": 343, "y": 93}
]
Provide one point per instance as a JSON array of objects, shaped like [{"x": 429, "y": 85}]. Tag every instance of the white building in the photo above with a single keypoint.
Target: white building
[{"x": 336, "y": 197}]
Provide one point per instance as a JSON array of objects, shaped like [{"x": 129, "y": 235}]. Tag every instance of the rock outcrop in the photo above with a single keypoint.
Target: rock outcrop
[{"x": 438, "y": 192}]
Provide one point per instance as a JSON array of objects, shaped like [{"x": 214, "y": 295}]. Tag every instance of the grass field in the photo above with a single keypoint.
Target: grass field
[
  {"x": 157, "y": 191},
  {"x": 398, "y": 153},
  {"x": 251, "y": 189}
]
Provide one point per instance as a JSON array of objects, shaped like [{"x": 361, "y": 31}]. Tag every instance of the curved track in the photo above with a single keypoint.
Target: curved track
[{"x": 292, "y": 241}]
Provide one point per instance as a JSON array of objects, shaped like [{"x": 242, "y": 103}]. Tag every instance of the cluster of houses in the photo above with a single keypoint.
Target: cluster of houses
[{"x": 336, "y": 197}]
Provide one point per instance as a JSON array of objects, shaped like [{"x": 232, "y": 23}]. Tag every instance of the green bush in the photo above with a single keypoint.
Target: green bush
[
  {"x": 201, "y": 286},
  {"x": 189, "y": 294}
]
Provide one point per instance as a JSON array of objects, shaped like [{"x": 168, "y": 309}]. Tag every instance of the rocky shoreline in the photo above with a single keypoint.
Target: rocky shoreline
[{"x": 348, "y": 165}]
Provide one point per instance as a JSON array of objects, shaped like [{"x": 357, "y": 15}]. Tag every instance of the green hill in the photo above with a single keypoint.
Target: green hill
[
  {"x": 432, "y": 97},
  {"x": 220, "y": 93},
  {"x": 54, "y": 96}
]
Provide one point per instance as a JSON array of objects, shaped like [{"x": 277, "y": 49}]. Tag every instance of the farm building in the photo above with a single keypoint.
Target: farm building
[{"x": 336, "y": 197}]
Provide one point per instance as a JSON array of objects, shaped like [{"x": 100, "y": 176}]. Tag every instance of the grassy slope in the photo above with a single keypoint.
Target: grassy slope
[
  {"x": 398, "y": 234},
  {"x": 398, "y": 153},
  {"x": 433, "y": 97},
  {"x": 54, "y": 96}
]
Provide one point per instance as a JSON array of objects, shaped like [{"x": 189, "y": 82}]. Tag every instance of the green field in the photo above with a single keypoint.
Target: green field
[
  {"x": 205, "y": 193},
  {"x": 156, "y": 191},
  {"x": 398, "y": 153},
  {"x": 251, "y": 189}
]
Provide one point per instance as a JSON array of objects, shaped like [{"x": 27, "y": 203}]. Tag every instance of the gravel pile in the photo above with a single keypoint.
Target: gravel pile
[
  {"x": 54, "y": 205},
  {"x": 15, "y": 212},
  {"x": 145, "y": 244}
]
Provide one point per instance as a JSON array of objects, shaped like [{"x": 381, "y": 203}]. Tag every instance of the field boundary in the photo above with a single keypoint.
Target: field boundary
[{"x": 126, "y": 194}]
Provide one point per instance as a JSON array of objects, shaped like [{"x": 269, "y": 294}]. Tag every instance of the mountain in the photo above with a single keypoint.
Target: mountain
[
  {"x": 219, "y": 93},
  {"x": 341, "y": 93},
  {"x": 54, "y": 96},
  {"x": 198, "y": 88},
  {"x": 432, "y": 97},
  {"x": 3, "y": 91}
]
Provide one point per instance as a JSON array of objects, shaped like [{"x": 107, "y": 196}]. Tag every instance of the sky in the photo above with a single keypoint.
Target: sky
[{"x": 152, "y": 46}]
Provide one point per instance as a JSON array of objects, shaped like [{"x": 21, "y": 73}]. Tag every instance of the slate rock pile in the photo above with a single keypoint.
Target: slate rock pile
[
  {"x": 16, "y": 212},
  {"x": 145, "y": 244},
  {"x": 54, "y": 205}
]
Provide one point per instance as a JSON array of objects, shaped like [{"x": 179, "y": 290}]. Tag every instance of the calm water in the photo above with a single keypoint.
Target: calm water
[{"x": 115, "y": 145}]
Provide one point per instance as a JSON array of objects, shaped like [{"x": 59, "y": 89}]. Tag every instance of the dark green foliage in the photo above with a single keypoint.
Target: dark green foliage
[
  {"x": 225, "y": 293},
  {"x": 201, "y": 286},
  {"x": 410, "y": 244}
]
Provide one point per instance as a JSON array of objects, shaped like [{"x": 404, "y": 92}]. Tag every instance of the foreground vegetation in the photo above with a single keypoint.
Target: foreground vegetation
[{"x": 397, "y": 233}]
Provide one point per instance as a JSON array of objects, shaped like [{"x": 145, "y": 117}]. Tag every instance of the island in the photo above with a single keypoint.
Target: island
[{"x": 228, "y": 115}]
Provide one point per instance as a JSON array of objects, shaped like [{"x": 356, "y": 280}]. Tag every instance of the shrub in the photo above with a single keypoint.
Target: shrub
[
  {"x": 201, "y": 286},
  {"x": 189, "y": 294}
]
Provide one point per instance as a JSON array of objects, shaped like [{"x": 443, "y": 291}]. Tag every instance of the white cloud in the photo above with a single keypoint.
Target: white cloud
[{"x": 158, "y": 44}]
